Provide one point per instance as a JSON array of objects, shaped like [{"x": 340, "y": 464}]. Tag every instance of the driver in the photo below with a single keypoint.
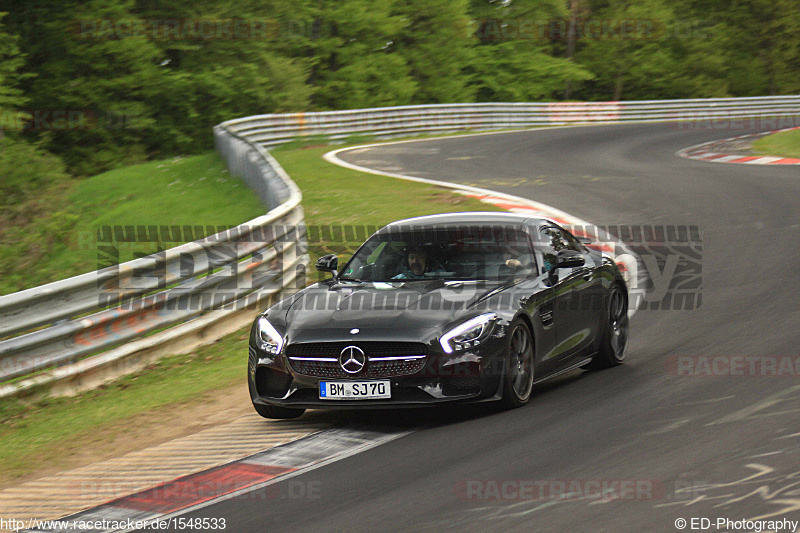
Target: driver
[{"x": 416, "y": 264}]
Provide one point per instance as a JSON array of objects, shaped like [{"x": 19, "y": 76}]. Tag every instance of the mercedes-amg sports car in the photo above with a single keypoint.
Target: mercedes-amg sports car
[{"x": 459, "y": 307}]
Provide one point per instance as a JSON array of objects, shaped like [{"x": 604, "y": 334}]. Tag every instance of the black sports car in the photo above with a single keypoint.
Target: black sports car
[{"x": 442, "y": 308}]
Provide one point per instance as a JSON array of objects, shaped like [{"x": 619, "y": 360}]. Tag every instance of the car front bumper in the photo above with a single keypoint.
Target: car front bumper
[{"x": 468, "y": 376}]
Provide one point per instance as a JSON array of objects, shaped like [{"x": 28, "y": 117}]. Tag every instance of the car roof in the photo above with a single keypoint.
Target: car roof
[{"x": 471, "y": 217}]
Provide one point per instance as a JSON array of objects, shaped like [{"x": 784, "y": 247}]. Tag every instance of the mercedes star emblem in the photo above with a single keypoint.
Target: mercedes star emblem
[{"x": 352, "y": 359}]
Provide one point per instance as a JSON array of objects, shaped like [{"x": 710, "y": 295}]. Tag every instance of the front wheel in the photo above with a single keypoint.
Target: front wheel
[
  {"x": 518, "y": 378},
  {"x": 615, "y": 334}
]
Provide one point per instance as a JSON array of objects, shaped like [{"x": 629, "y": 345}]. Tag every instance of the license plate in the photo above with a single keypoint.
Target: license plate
[{"x": 354, "y": 390}]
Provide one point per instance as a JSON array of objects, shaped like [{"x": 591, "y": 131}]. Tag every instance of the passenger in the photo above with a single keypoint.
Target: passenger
[{"x": 519, "y": 262}]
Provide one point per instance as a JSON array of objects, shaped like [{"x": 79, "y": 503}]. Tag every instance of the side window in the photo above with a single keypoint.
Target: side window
[{"x": 368, "y": 262}]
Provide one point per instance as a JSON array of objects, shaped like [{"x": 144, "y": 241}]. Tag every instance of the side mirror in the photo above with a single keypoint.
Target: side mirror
[
  {"x": 570, "y": 259},
  {"x": 328, "y": 263}
]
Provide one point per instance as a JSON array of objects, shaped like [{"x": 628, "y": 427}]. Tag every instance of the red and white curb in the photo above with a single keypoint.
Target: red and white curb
[
  {"x": 626, "y": 259},
  {"x": 710, "y": 152},
  {"x": 249, "y": 478}
]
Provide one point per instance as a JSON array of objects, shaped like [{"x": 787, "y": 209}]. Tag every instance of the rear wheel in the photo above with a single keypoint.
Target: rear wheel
[
  {"x": 615, "y": 333},
  {"x": 518, "y": 378}
]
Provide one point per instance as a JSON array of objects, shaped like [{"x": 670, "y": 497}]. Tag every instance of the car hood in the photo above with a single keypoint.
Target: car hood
[{"x": 388, "y": 311}]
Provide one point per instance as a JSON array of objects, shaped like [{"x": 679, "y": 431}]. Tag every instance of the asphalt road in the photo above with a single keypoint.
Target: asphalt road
[{"x": 694, "y": 446}]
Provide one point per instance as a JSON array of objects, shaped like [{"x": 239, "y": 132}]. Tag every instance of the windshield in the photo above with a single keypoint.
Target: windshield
[{"x": 459, "y": 253}]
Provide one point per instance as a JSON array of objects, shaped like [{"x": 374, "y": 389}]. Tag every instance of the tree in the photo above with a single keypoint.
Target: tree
[
  {"x": 145, "y": 76},
  {"x": 351, "y": 47},
  {"x": 762, "y": 44},
  {"x": 515, "y": 59},
  {"x": 626, "y": 45},
  {"x": 11, "y": 97},
  {"x": 219, "y": 62},
  {"x": 436, "y": 43},
  {"x": 85, "y": 70},
  {"x": 25, "y": 168}
]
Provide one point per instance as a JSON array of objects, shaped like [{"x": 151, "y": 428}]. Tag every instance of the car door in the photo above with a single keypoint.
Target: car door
[
  {"x": 587, "y": 298},
  {"x": 535, "y": 295},
  {"x": 571, "y": 293}
]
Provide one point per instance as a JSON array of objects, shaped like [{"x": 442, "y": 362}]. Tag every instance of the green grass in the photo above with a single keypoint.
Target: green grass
[
  {"x": 42, "y": 433},
  {"x": 337, "y": 196},
  {"x": 46, "y": 432},
  {"x": 54, "y": 237},
  {"x": 784, "y": 144}
]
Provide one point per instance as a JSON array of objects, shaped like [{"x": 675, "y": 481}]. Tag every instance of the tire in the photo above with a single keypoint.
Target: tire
[
  {"x": 275, "y": 411},
  {"x": 518, "y": 375},
  {"x": 615, "y": 331}
]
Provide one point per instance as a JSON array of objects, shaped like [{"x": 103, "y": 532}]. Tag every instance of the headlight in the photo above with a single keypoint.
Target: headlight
[
  {"x": 469, "y": 334},
  {"x": 267, "y": 337}
]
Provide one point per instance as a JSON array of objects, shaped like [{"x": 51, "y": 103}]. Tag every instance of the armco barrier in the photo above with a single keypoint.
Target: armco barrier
[
  {"x": 73, "y": 333},
  {"x": 391, "y": 121}
]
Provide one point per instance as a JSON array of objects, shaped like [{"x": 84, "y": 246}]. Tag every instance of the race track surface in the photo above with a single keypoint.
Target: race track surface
[{"x": 694, "y": 445}]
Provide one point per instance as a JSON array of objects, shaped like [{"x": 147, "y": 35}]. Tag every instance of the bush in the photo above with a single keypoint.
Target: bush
[{"x": 25, "y": 170}]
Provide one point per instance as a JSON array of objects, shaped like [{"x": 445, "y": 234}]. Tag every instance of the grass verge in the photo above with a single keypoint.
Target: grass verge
[
  {"x": 342, "y": 206},
  {"x": 784, "y": 144},
  {"x": 53, "y": 433},
  {"x": 52, "y": 236},
  {"x": 38, "y": 436}
]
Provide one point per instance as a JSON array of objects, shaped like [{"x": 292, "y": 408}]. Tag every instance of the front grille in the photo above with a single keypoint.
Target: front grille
[
  {"x": 372, "y": 369},
  {"x": 379, "y": 369},
  {"x": 371, "y": 349}
]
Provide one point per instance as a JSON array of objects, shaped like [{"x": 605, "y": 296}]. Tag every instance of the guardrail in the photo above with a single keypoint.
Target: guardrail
[
  {"x": 270, "y": 130},
  {"x": 78, "y": 331}
]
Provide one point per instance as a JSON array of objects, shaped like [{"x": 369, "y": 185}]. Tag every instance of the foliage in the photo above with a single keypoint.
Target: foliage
[
  {"x": 351, "y": 49},
  {"x": 26, "y": 169},
  {"x": 437, "y": 48},
  {"x": 158, "y": 91},
  {"x": 51, "y": 234},
  {"x": 11, "y": 96}
]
